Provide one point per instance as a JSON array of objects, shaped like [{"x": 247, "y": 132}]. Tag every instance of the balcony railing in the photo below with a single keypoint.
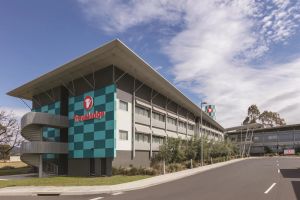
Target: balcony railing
[{"x": 40, "y": 147}]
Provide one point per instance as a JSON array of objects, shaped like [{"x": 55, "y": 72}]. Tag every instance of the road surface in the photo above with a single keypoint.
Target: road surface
[{"x": 276, "y": 178}]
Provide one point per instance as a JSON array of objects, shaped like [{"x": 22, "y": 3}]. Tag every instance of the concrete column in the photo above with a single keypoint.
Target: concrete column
[
  {"x": 108, "y": 166},
  {"x": 97, "y": 166},
  {"x": 41, "y": 166}
]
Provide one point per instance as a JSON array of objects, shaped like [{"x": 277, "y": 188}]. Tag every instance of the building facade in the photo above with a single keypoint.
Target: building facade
[
  {"x": 106, "y": 109},
  {"x": 253, "y": 139}
]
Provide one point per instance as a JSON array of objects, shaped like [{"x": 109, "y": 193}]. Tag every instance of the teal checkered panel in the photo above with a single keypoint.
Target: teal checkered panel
[
  {"x": 213, "y": 113},
  {"x": 93, "y": 138},
  {"x": 50, "y": 134}
]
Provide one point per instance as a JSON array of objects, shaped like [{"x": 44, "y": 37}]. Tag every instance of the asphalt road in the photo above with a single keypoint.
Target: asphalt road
[{"x": 275, "y": 178}]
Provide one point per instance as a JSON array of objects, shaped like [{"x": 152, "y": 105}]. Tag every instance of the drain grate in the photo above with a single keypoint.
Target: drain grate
[{"x": 47, "y": 194}]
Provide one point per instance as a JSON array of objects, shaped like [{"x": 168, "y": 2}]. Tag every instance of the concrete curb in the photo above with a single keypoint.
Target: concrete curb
[{"x": 85, "y": 190}]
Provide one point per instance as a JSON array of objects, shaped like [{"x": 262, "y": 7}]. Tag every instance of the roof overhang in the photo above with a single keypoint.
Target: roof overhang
[{"x": 112, "y": 53}]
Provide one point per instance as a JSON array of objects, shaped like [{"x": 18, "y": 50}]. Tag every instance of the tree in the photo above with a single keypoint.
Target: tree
[
  {"x": 191, "y": 149},
  {"x": 9, "y": 132},
  {"x": 266, "y": 118},
  {"x": 271, "y": 119},
  {"x": 253, "y": 115}
]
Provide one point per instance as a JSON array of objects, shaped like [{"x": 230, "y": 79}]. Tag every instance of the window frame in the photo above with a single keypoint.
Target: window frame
[
  {"x": 121, "y": 132},
  {"x": 121, "y": 102}
]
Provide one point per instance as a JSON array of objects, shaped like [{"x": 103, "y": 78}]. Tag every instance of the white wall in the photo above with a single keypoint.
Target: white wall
[{"x": 124, "y": 122}]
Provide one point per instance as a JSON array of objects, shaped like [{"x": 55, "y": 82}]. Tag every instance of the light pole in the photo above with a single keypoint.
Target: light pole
[{"x": 202, "y": 143}]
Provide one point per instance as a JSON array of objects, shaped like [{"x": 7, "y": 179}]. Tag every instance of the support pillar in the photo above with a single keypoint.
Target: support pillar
[{"x": 41, "y": 166}]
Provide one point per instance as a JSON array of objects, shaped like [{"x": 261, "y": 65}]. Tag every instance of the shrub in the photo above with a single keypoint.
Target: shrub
[
  {"x": 174, "y": 167},
  {"x": 132, "y": 171}
]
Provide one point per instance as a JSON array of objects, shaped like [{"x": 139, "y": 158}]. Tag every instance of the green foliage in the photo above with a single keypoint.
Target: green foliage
[
  {"x": 176, "y": 151},
  {"x": 271, "y": 119},
  {"x": 172, "y": 151},
  {"x": 133, "y": 171},
  {"x": 253, "y": 115},
  {"x": 174, "y": 167},
  {"x": 190, "y": 151},
  {"x": 267, "y": 118},
  {"x": 268, "y": 150}
]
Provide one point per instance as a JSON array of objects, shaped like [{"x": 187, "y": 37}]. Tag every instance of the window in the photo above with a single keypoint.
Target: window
[
  {"x": 123, "y": 105},
  {"x": 141, "y": 137},
  {"x": 181, "y": 124},
  {"x": 142, "y": 111},
  {"x": 146, "y": 138},
  {"x": 158, "y": 140},
  {"x": 256, "y": 138},
  {"x": 123, "y": 135},
  {"x": 285, "y": 136},
  {"x": 172, "y": 121},
  {"x": 158, "y": 117},
  {"x": 191, "y": 127},
  {"x": 138, "y": 136},
  {"x": 271, "y": 138}
]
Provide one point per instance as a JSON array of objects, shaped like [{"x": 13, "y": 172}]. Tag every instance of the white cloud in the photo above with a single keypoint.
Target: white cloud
[
  {"x": 117, "y": 16},
  {"x": 214, "y": 45}
]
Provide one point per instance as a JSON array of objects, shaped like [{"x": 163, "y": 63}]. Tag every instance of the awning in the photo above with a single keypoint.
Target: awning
[
  {"x": 159, "y": 132},
  {"x": 189, "y": 137},
  {"x": 191, "y": 122},
  {"x": 159, "y": 110},
  {"x": 142, "y": 104},
  {"x": 172, "y": 134},
  {"x": 142, "y": 129},
  {"x": 182, "y": 119},
  {"x": 182, "y": 136},
  {"x": 172, "y": 115}
]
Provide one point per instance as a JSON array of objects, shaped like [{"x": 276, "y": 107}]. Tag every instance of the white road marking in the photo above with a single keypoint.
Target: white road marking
[
  {"x": 276, "y": 160},
  {"x": 117, "y": 193},
  {"x": 270, "y": 188},
  {"x": 278, "y": 170},
  {"x": 277, "y": 164},
  {"x": 97, "y": 198},
  {"x": 1, "y": 179}
]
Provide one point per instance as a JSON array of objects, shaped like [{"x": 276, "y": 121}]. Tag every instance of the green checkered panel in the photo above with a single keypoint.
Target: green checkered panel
[
  {"x": 50, "y": 134},
  {"x": 94, "y": 138}
]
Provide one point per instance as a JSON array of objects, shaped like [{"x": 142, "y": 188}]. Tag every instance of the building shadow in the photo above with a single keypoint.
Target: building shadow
[
  {"x": 296, "y": 187},
  {"x": 290, "y": 173}
]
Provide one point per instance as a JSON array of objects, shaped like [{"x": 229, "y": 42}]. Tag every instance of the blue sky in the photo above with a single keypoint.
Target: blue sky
[{"x": 230, "y": 53}]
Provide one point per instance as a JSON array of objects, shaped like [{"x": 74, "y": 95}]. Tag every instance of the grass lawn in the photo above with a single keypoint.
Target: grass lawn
[
  {"x": 71, "y": 181},
  {"x": 12, "y": 168},
  {"x": 20, "y": 170}
]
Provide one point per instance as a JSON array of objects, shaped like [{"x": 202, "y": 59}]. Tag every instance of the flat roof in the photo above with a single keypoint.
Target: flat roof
[
  {"x": 112, "y": 53},
  {"x": 249, "y": 126},
  {"x": 256, "y": 128}
]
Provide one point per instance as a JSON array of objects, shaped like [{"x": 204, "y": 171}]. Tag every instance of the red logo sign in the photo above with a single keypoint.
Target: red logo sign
[
  {"x": 88, "y": 102},
  {"x": 209, "y": 110},
  {"x": 89, "y": 116}
]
